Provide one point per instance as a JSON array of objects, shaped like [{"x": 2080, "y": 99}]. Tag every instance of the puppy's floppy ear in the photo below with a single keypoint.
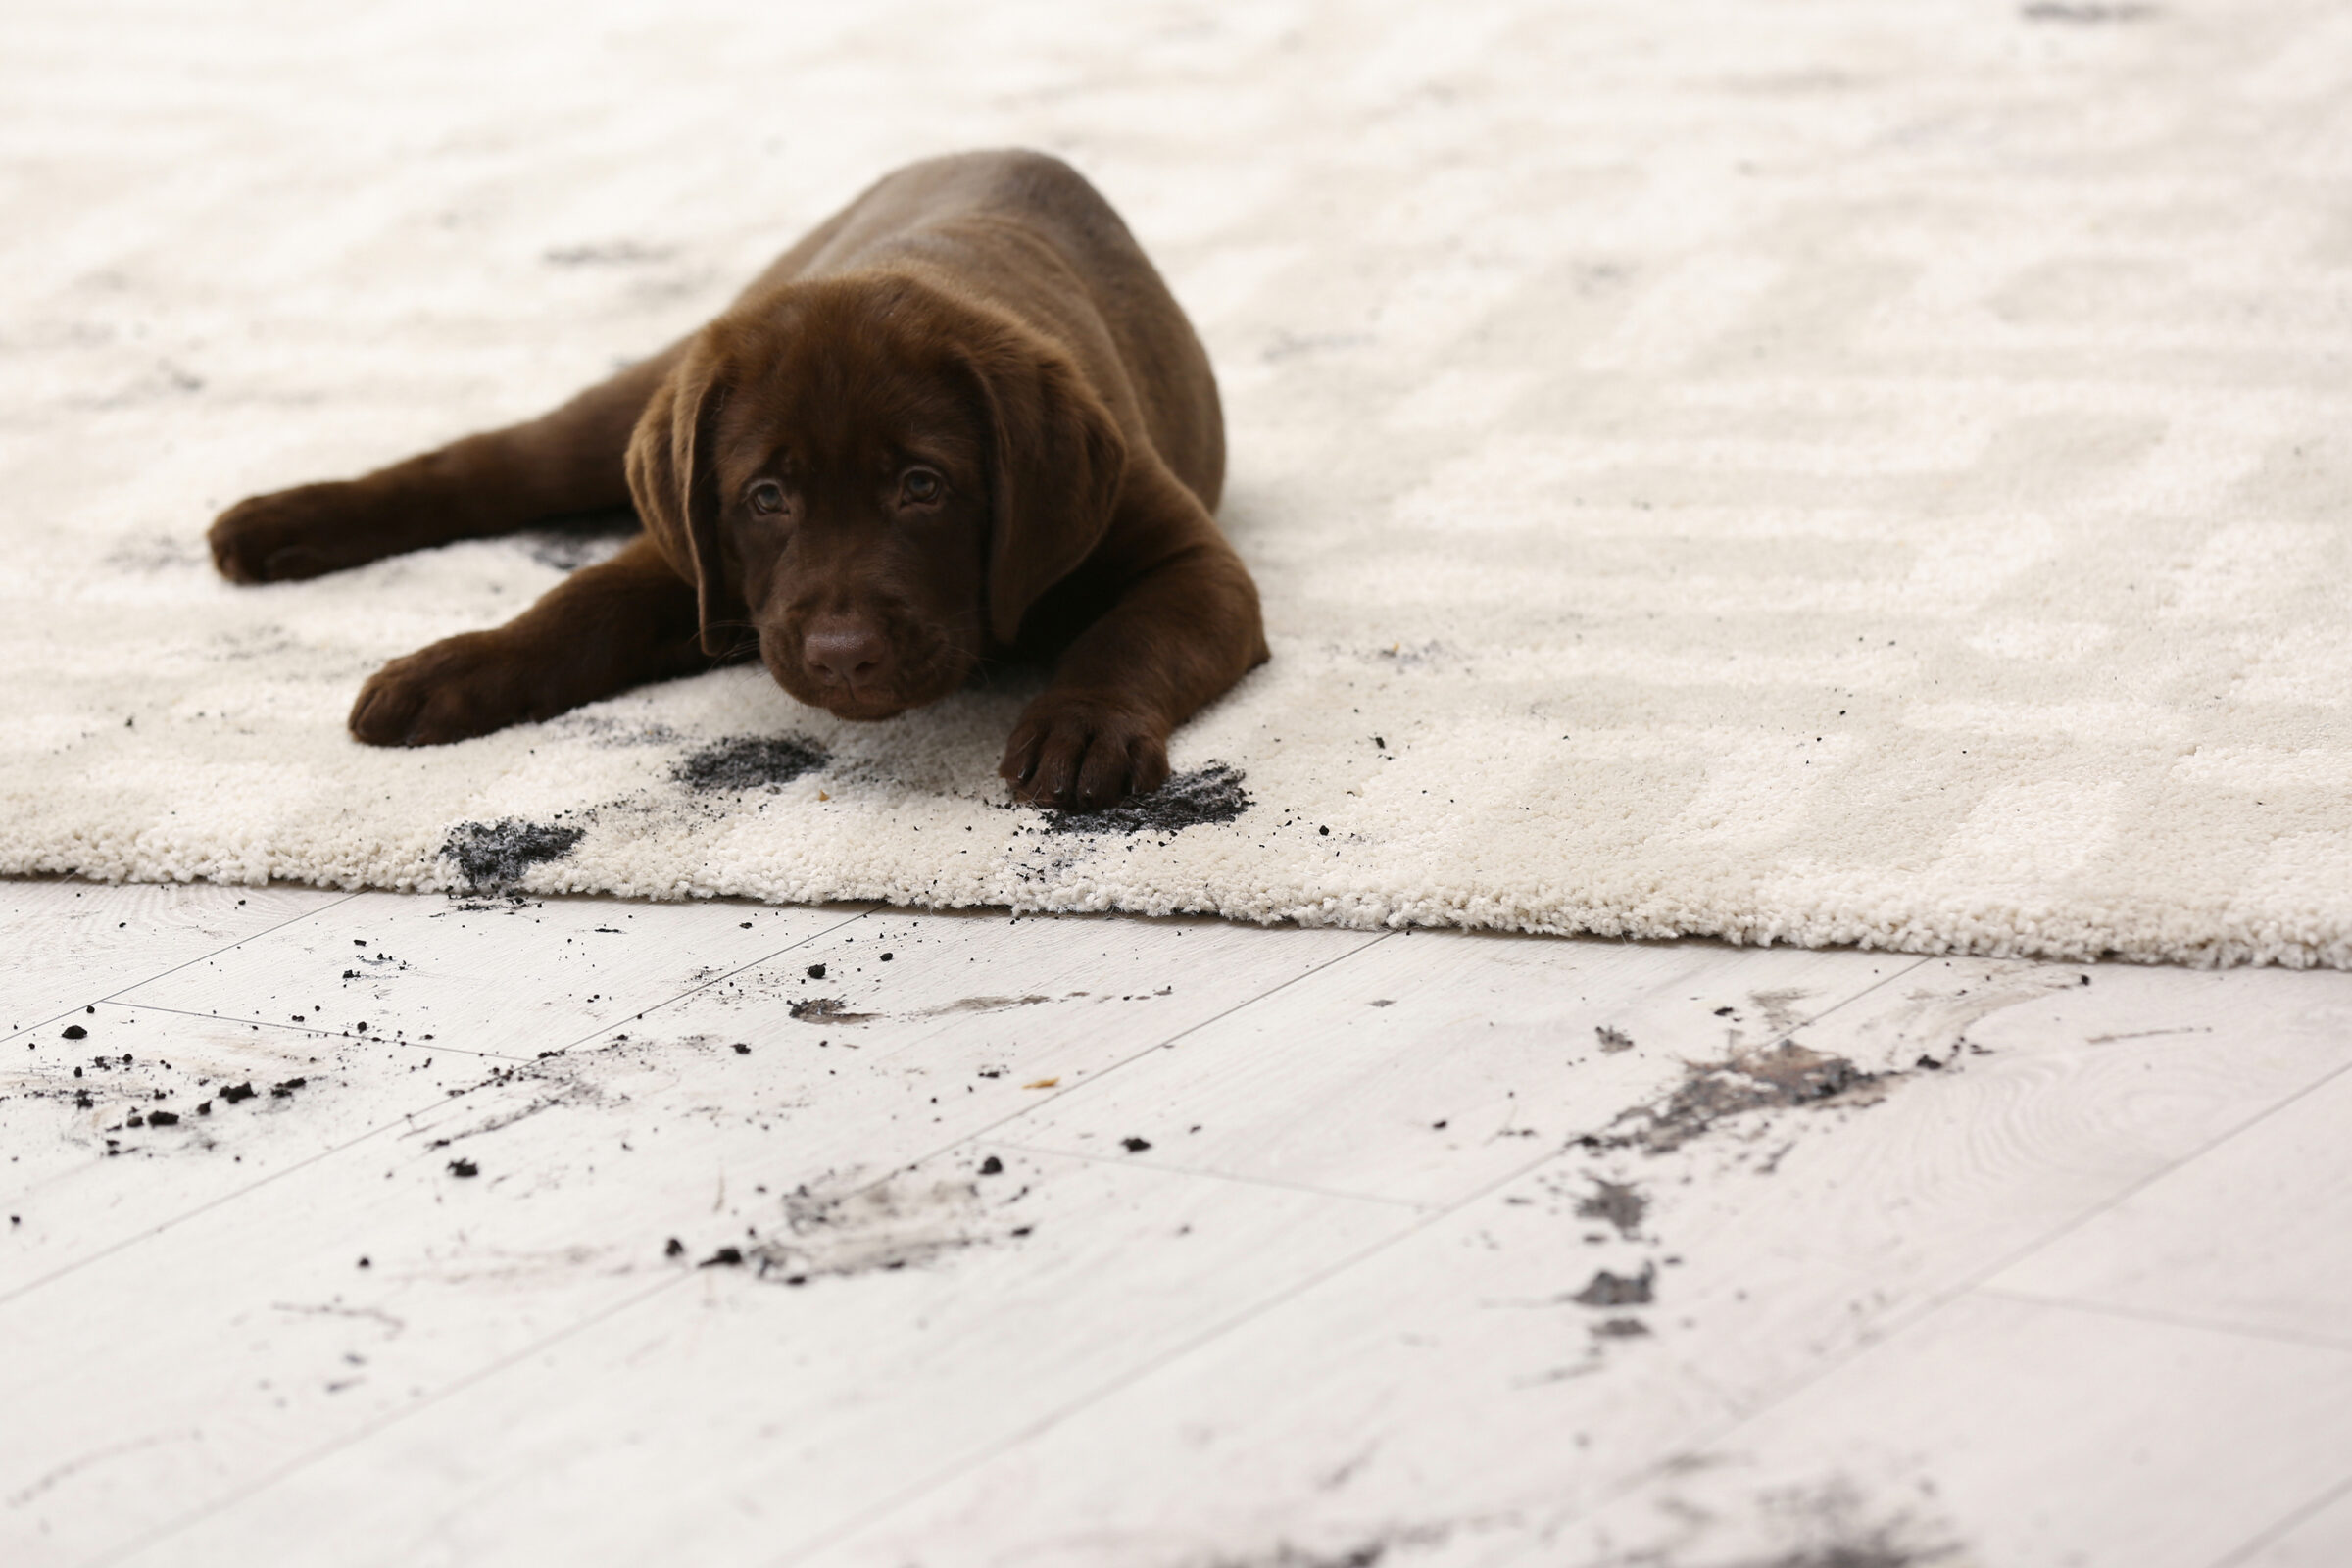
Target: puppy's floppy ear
[
  {"x": 1055, "y": 475},
  {"x": 668, "y": 467}
]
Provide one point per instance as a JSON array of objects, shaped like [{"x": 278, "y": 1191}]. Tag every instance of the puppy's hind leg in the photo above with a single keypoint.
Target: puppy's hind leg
[
  {"x": 567, "y": 461},
  {"x": 603, "y": 629}
]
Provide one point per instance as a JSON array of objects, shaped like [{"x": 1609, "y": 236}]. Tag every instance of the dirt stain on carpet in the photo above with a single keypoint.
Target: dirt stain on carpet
[
  {"x": 1212, "y": 794},
  {"x": 750, "y": 763},
  {"x": 492, "y": 855}
]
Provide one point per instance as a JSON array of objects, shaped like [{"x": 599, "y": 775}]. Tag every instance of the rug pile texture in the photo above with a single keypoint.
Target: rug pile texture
[{"x": 1823, "y": 471}]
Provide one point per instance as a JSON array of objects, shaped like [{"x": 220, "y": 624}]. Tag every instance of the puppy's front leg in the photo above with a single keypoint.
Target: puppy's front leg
[
  {"x": 567, "y": 461},
  {"x": 604, "y": 629},
  {"x": 1180, "y": 635}
]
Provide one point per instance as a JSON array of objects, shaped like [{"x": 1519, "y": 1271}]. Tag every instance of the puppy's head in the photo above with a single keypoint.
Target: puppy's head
[{"x": 874, "y": 481}]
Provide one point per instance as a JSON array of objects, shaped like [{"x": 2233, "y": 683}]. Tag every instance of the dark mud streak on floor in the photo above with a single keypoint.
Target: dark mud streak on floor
[
  {"x": 1782, "y": 1076},
  {"x": 829, "y": 1009},
  {"x": 750, "y": 763},
  {"x": 1212, "y": 794},
  {"x": 493, "y": 855}
]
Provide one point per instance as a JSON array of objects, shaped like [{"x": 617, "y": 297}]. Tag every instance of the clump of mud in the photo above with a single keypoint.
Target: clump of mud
[
  {"x": 1212, "y": 794},
  {"x": 750, "y": 763},
  {"x": 1772, "y": 1079},
  {"x": 1619, "y": 1204},
  {"x": 491, "y": 856}
]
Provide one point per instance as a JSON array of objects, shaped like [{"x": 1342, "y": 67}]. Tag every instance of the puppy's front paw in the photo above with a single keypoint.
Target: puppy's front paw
[
  {"x": 1082, "y": 754},
  {"x": 458, "y": 688},
  {"x": 302, "y": 532}
]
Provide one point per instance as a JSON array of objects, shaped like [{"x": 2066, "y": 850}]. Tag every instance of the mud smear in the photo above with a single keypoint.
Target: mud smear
[
  {"x": 1816, "y": 1526},
  {"x": 1775, "y": 1078},
  {"x": 751, "y": 763},
  {"x": 492, "y": 855},
  {"x": 2090, "y": 15},
  {"x": 1619, "y": 1204},
  {"x": 1212, "y": 794},
  {"x": 979, "y": 1004},
  {"x": 614, "y": 253},
  {"x": 846, "y": 1230},
  {"x": 829, "y": 1009}
]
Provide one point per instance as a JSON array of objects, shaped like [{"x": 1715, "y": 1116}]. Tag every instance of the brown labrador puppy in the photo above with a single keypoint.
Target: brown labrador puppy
[{"x": 963, "y": 421}]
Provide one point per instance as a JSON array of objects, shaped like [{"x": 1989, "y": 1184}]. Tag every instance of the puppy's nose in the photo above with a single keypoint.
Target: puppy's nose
[{"x": 844, "y": 652}]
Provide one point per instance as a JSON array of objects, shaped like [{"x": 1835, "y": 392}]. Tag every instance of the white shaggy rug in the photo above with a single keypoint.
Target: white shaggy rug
[{"x": 1817, "y": 472}]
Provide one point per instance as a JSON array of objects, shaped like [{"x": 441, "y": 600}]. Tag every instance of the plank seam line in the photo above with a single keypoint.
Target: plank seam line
[
  {"x": 2297, "y": 1516},
  {"x": 2179, "y": 1320},
  {"x": 319, "y": 1033},
  {"x": 370, "y": 1429},
  {"x": 1162, "y": 1168}
]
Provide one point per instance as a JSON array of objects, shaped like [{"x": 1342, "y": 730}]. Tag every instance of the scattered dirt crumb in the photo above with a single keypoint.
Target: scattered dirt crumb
[{"x": 1614, "y": 1040}]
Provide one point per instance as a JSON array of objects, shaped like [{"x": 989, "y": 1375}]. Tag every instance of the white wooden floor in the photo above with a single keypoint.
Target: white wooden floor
[{"x": 549, "y": 1234}]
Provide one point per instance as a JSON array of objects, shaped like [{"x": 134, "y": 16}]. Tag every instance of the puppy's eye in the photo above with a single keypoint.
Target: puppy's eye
[
  {"x": 768, "y": 497},
  {"x": 920, "y": 487}
]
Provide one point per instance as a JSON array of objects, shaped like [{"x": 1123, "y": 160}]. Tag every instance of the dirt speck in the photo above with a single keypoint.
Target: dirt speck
[
  {"x": 1613, "y": 1041},
  {"x": 1212, "y": 794},
  {"x": 493, "y": 855},
  {"x": 74, "y": 1031},
  {"x": 463, "y": 1169},
  {"x": 750, "y": 763},
  {"x": 1621, "y": 1328}
]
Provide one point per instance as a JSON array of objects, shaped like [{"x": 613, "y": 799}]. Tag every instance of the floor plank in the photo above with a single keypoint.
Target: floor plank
[
  {"x": 502, "y": 977},
  {"x": 2248, "y": 1234},
  {"x": 2018, "y": 1433},
  {"x": 2317, "y": 1537},
  {"x": 70, "y": 943}
]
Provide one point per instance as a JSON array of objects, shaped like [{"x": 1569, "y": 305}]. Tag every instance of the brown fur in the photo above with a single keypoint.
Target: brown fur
[{"x": 963, "y": 421}]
